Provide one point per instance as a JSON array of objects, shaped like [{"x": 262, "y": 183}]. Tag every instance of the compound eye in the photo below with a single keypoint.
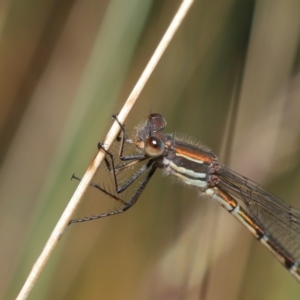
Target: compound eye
[
  {"x": 157, "y": 122},
  {"x": 154, "y": 146}
]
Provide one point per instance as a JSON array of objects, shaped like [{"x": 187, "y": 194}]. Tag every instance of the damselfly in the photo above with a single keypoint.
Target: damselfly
[{"x": 273, "y": 222}]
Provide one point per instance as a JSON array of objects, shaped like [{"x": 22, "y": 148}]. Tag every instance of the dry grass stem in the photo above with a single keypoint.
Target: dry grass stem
[{"x": 111, "y": 136}]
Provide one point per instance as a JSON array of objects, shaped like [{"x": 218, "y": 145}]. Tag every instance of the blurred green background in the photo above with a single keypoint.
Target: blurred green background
[{"x": 230, "y": 79}]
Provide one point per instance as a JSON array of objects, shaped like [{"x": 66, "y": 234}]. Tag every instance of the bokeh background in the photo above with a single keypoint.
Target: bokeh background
[{"x": 230, "y": 79}]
